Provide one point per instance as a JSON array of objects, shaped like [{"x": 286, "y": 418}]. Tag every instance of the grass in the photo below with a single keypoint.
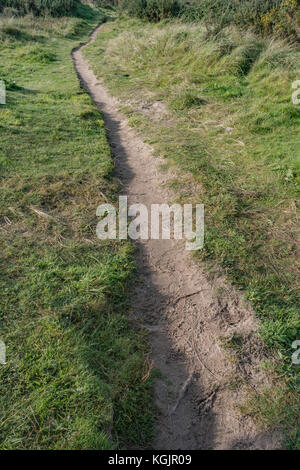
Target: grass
[
  {"x": 233, "y": 129},
  {"x": 73, "y": 378}
]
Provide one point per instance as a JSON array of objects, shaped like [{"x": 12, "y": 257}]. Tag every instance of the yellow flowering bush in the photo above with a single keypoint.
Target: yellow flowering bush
[{"x": 281, "y": 21}]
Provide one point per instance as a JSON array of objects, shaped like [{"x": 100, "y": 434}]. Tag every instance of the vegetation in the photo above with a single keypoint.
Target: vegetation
[
  {"x": 152, "y": 10},
  {"x": 39, "y": 7},
  {"x": 73, "y": 377},
  {"x": 232, "y": 128},
  {"x": 279, "y": 17}
]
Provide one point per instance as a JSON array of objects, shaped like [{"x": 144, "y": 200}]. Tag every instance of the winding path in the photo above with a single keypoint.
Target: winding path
[{"x": 184, "y": 311}]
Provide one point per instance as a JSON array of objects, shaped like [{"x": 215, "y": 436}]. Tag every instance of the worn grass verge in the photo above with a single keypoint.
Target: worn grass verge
[
  {"x": 73, "y": 377},
  {"x": 232, "y": 128}
]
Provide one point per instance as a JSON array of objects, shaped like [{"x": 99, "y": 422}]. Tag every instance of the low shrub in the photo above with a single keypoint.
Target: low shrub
[
  {"x": 276, "y": 17},
  {"x": 152, "y": 10},
  {"x": 39, "y": 7}
]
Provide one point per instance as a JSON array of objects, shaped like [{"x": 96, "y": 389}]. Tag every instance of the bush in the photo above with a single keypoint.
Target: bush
[
  {"x": 40, "y": 7},
  {"x": 268, "y": 17},
  {"x": 152, "y": 10},
  {"x": 281, "y": 20}
]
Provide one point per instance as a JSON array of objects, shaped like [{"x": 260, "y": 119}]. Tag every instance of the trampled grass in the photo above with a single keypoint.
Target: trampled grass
[
  {"x": 73, "y": 377},
  {"x": 232, "y": 128}
]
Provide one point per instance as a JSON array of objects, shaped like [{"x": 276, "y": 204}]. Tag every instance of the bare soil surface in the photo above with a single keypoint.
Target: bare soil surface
[{"x": 188, "y": 314}]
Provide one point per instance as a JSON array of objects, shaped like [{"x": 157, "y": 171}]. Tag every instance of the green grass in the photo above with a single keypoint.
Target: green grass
[
  {"x": 233, "y": 129},
  {"x": 73, "y": 377}
]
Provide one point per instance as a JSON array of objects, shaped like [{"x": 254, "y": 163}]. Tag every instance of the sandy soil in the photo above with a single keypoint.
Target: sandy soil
[{"x": 186, "y": 313}]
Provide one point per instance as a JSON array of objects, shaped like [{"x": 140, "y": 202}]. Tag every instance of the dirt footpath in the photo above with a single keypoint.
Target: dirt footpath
[{"x": 187, "y": 314}]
